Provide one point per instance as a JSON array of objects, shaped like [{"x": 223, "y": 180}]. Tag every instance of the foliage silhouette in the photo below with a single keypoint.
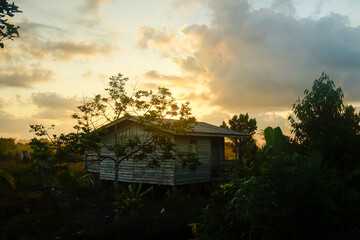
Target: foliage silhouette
[
  {"x": 284, "y": 195},
  {"x": 152, "y": 110},
  {"x": 7, "y": 177},
  {"x": 131, "y": 200},
  {"x": 7, "y": 29},
  {"x": 299, "y": 188},
  {"x": 322, "y": 123},
  {"x": 245, "y": 147},
  {"x": 155, "y": 111}
]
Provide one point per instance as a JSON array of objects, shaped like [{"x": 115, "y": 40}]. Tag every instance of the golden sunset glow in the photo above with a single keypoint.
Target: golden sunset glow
[{"x": 224, "y": 57}]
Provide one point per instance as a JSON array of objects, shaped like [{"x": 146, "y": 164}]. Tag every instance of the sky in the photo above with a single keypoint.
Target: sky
[{"x": 225, "y": 57}]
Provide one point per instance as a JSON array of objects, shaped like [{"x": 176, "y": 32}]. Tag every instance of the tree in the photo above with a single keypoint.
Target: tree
[
  {"x": 245, "y": 146},
  {"x": 7, "y": 29},
  {"x": 152, "y": 109},
  {"x": 283, "y": 195},
  {"x": 8, "y": 149},
  {"x": 7, "y": 177},
  {"x": 321, "y": 122},
  {"x": 52, "y": 151}
]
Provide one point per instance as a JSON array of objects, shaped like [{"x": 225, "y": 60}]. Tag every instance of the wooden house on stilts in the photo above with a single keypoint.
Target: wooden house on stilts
[{"x": 206, "y": 140}]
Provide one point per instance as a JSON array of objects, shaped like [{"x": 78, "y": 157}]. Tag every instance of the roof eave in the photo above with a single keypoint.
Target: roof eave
[
  {"x": 200, "y": 134},
  {"x": 214, "y": 135}
]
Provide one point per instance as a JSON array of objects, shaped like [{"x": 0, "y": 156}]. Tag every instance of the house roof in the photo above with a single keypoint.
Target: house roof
[
  {"x": 202, "y": 128},
  {"x": 199, "y": 129}
]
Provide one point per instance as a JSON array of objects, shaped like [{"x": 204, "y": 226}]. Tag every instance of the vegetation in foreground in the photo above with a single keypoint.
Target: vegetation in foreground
[
  {"x": 305, "y": 187},
  {"x": 301, "y": 188},
  {"x": 61, "y": 204}
]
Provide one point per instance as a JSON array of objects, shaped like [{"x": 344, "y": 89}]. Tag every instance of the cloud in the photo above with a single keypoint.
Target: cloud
[
  {"x": 170, "y": 80},
  {"x": 24, "y": 76},
  {"x": 53, "y": 105},
  {"x": 189, "y": 64},
  {"x": 264, "y": 59},
  {"x": 153, "y": 74},
  {"x": 189, "y": 5},
  {"x": 145, "y": 85},
  {"x": 285, "y": 6},
  {"x": 43, "y": 41},
  {"x": 53, "y": 114},
  {"x": 216, "y": 118},
  {"x": 2, "y": 103},
  {"x": 167, "y": 41},
  {"x": 91, "y": 5},
  {"x": 199, "y": 97},
  {"x": 194, "y": 29},
  {"x": 10, "y": 126},
  {"x": 30, "y": 27},
  {"x": 9, "y": 102},
  {"x": 53, "y": 100},
  {"x": 65, "y": 50},
  {"x": 18, "y": 127},
  {"x": 52, "y": 108},
  {"x": 159, "y": 39},
  {"x": 273, "y": 119},
  {"x": 88, "y": 74}
]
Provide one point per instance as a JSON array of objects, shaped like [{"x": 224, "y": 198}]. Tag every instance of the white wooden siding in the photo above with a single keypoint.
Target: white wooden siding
[
  {"x": 203, "y": 172},
  {"x": 134, "y": 171},
  {"x": 92, "y": 164},
  {"x": 169, "y": 172}
]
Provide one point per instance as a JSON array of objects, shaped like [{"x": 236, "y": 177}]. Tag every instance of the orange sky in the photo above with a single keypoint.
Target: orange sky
[{"x": 224, "y": 56}]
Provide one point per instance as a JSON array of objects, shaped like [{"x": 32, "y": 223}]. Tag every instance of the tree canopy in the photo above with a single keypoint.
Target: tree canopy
[
  {"x": 7, "y": 29},
  {"x": 102, "y": 114},
  {"x": 322, "y": 122},
  {"x": 243, "y": 123}
]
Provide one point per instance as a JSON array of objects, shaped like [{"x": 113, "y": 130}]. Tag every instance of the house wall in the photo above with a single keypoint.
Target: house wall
[
  {"x": 217, "y": 155},
  {"x": 203, "y": 172},
  {"x": 130, "y": 170},
  {"x": 91, "y": 163},
  {"x": 210, "y": 151}
]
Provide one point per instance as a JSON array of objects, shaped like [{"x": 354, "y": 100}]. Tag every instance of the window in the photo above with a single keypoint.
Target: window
[{"x": 193, "y": 146}]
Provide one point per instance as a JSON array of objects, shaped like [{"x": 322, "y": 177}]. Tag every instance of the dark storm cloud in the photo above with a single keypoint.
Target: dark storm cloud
[{"x": 265, "y": 58}]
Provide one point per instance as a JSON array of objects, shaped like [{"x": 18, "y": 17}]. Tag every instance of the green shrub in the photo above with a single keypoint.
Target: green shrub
[{"x": 285, "y": 195}]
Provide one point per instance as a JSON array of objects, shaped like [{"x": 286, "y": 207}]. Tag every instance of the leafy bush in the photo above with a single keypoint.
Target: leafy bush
[
  {"x": 131, "y": 200},
  {"x": 284, "y": 196}
]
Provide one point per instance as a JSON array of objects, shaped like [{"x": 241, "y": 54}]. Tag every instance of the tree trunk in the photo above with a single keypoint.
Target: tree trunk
[
  {"x": 236, "y": 151},
  {"x": 116, "y": 181},
  {"x": 240, "y": 151},
  {"x": 117, "y": 161}
]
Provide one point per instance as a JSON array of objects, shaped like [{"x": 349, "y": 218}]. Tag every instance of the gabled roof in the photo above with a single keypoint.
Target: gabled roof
[{"x": 200, "y": 129}]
